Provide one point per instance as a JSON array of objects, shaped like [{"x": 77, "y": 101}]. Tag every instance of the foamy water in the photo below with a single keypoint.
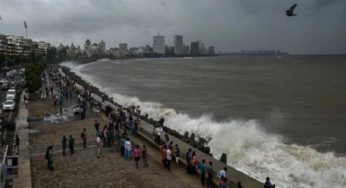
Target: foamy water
[{"x": 249, "y": 148}]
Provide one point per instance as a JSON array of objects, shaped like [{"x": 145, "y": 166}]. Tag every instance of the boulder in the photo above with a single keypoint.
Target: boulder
[
  {"x": 223, "y": 158},
  {"x": 151, "y": 121},
  {"x": 186, "y": 136},
  {"x": 192, "y": 140}
]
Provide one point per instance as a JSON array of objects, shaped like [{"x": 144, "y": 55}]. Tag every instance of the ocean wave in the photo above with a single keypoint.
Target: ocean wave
[{"x": 249, "y": 148}]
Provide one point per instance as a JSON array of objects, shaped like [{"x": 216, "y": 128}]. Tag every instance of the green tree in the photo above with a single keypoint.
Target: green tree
[{"x": 33, "y": 76}]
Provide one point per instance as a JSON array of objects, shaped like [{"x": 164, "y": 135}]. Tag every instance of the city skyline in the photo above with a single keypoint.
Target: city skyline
[{"x": 228, "y": 25}]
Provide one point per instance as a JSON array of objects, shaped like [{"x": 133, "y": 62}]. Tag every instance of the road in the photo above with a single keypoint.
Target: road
[{"x": 9, "y": 117}]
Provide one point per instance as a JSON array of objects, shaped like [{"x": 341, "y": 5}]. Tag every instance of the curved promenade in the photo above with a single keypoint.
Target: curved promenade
[{"x": 145, "y": 132}]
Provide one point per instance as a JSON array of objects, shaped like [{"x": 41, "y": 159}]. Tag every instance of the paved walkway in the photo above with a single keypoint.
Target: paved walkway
[
  {"x": 24, "y": 171},
  {"x": 84, "y": 169}
]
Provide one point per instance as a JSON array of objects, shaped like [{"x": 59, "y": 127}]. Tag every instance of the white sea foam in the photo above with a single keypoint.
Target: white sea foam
[{"x": 249, "y": 148}]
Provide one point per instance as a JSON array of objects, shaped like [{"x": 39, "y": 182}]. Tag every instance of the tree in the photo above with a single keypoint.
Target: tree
[
  {"x": 51, "y": 53},
  {"x": 33, "y": 76}
]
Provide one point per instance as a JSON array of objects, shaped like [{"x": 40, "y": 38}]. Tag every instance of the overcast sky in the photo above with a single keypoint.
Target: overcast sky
[{"x": 230, "y": 25}]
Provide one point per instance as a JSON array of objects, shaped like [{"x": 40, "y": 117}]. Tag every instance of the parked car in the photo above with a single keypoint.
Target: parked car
[
  {"x": 2, "y": 80},
  {"x": 11, "y": 94},
  {"x": 5, "y": 85},
  {"x": 8, "y": 105}
]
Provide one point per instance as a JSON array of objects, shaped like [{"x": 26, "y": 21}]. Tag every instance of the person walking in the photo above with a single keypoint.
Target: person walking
[
  {"x": 71, "y": 144},
  {"x": 49, "y": 157},
  {"x": 64, "y": 143},
  {"x": 83, "y": 136},
  {"x": 137, "y": 154},
  {"x": 144, "y": 157},
  {"x": 17, "y": 144}
]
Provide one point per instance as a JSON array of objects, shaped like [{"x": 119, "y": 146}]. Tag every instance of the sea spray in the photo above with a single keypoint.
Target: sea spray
[{"x": 249, "y": 148}]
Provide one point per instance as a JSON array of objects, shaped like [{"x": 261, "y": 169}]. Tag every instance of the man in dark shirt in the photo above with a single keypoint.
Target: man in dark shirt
[
  {"x": 267, "y": 184},
  {"x": 71, "y": 144},
  {"x": 97, "y": 128}
]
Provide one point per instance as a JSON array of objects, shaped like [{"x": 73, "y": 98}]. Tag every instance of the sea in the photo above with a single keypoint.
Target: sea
[{"x": 277, "y": 116}]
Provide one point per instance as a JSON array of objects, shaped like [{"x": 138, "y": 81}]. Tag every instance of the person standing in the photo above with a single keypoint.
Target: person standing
[
  {"x": 122, "y": 145},
  {"x": 220, "y": 174},
  {"x": 97, "y": 128},
  {"x": 83, "y": 136},
  {"x": 267, "y": 184},
  {"x": 99, "y": 145},
  {"x": 64, "y": 143},
  {"x": 17, "y": 144},
  {"x": 168, "y": 158},
  {"x": 164, "y": 156},
  {"x": 202, "y": 168},
  {"x": 177, "y": 153},
  {"x": 188, "y": 161},
  {"x": 128, "y": 149},
  {"x": 223, "y": 182},
  {"x": 71, "y": 144},
  {"x": 49, "y": 157},
  {"x": 210, "y": 175},
  {"x": 137, "y": 154},
  {"x": 144, "y": 157}
]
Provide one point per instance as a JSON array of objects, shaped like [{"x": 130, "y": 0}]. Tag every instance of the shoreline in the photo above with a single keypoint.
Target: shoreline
[
  {"x": 186, "y": 138},
  {"x": 91, "y": 59}
]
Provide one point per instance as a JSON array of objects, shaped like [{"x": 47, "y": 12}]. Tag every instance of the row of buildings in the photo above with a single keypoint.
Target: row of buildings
[
  {"x": 158, "y": 49},
  {"x": 18, "y": 48},
  {"x": 12, "y": 46},
  {"x": 180, "y": 49}
]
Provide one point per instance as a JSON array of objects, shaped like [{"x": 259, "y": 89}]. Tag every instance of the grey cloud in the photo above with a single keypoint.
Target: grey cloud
[
  {"x": 229, "y": 25},
  {"x": 324, "y": 3}
]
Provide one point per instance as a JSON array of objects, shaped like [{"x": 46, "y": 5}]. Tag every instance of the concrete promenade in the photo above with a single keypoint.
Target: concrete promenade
[
  {"x": 146, "y": 129},
  {"x": 235, "y": 176},
  {"x": 24, "y": 171},
  {"x": 145, "y": 132}
]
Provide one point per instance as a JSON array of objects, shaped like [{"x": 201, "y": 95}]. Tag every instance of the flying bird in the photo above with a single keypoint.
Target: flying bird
[{"x": 289, "y": 12}]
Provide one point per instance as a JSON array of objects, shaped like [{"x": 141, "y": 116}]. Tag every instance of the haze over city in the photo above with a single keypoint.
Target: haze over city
[{"x": 319, "y": 27}]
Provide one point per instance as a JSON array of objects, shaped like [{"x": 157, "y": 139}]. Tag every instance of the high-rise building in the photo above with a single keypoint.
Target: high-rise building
[
  {"x": 43, "y": 48},
  {"x": 123, "y": 47},
  {"x": 159, "y": 44},
  {"x": 102, "y": 47},
  {"x": 202, "y": 49},
  {"x": 178, "y": 45},
  {"x": 194, "y": 48},
  {"x": 211, "y": 50},
  {"x": 186, "y": 50},
  {"x": 3, "y": 44}
]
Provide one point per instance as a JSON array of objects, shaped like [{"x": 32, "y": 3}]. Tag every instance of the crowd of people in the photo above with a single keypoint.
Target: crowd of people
[{"x": 115, "y": 134}]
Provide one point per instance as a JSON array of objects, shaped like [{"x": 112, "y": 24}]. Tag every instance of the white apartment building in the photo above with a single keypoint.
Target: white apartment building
[
  {"x": 159, "y": 44},
  {"x": 178, "y": 45}
]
